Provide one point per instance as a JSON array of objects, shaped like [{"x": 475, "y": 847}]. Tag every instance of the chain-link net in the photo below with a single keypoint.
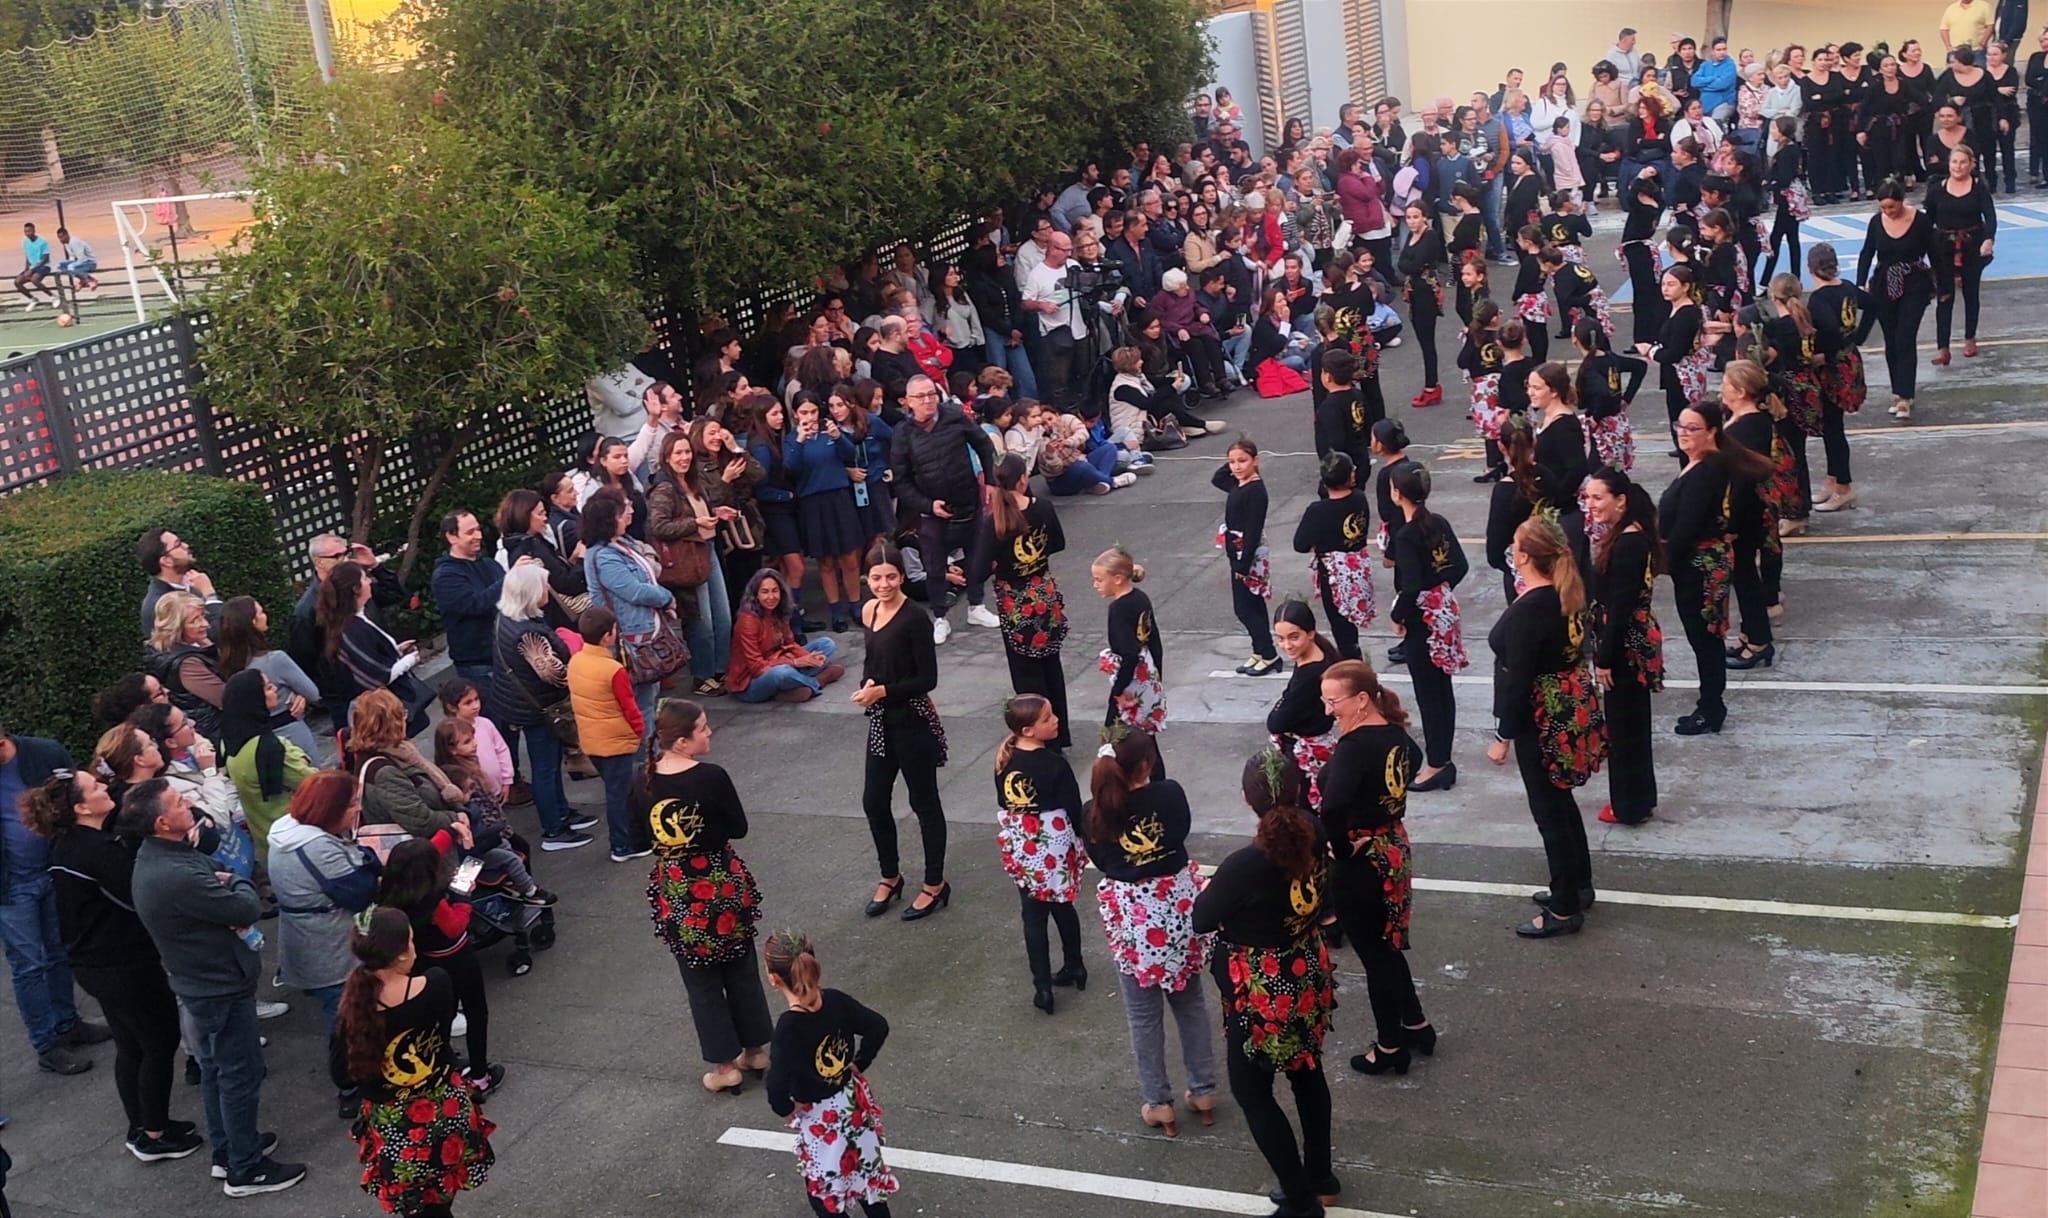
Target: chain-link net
[{"x": 156, "y": 103}]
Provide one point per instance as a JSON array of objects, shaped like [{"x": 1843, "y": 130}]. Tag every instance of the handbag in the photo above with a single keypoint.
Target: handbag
[
  {"x": 655, "y": 656},
  {"x": 684, "y": 564},
  {"x": 558, "y": 717},
  {"x": 737, "y": 536}
]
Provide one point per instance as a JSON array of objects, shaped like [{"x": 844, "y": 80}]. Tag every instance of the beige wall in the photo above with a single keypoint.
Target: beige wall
[{"x": 1764, "y": 24}]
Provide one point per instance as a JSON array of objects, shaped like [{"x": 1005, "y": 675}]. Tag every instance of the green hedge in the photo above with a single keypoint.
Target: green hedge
[{"x": 71, "y": 590}]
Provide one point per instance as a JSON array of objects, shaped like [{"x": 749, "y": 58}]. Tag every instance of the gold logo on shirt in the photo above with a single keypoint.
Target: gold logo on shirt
[
  {"x": 833, "y": 1058},
  {"x": 1143, "y": 842},
  {"x": 1018, "y": 792},
  {"x": 674, "y": 824},
  {"x": 1144, "y": 628},
  {"x": 1029, "y": 547},
  {"x": 1354, "y": 529},
  {"x": 409, "y": 1059},
  {"x": 1305, "y": 898}
]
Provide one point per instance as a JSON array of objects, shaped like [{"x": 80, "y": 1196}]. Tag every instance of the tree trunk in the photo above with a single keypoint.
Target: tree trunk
[
  {"x": 368, "y": 455},
  {"x": 456, "y": 437}
]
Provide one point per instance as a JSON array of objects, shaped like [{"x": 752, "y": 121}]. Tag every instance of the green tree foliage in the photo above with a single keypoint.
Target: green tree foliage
[
  {"x": 756, "y": 141},
  {"x": 25, "y": 23},
  {"x": 398, "y": 279}
]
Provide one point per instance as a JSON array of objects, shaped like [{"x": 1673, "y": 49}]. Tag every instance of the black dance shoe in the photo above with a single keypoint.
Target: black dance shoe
[
  {"x": 1326, "y": 1192},
  {"x": 1042, "y": 998},
  {"x": 1381, "y": 1060},
  {"x": 1398, "y": 653},
  {"x": 939, "y": 900},
  {"x": 1542, "y": 897},
  {"x": 1442, "y": 780},
  {"x": 879, "y": 907},
  {"x": 1547, "y": 925},
  {"x": 1422, "y": 1039},
  {"x": 1697, "y": 724},
  {"x": 1075, "y": 975},
  {"x": 1750, "y": 656}
]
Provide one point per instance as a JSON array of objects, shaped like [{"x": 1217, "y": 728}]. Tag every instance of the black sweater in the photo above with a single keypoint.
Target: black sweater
[
  {"x": 1045, "y": 776},
  {"x": 90, "y": 871},
  {"x": 1679, "y": 338},
  {"x": 1505, "y": 511},
  {"x": 1250, "y": 901},
  {"x": 1912, "y": 249},
  {"x": 1745, "y": 500},
  {"x": 1155, "y": 840},
  {"x": 697, "y": 811},
  {"x": 1606, "y": 381},
  {"x": 1620, "y": 589},
  {"x": 1421, "y": 563},
  {"x": 1562, "y": 230},
  {"x": 1383, "y": 495},
  {"x": 1344, "y": 424},
  {"x": 1365, "y": 783},
  {"x": 1334, "y": 526},
  {"x": 417, "y": 1054},
  {"x": 1842, "y": 317},
  {"x": 1531, "y": 637},
  {"x": 1133, "y": 629},
  {"x": 1017, "y": 558},
  {"x": 1513, "y": 395},
  {"x": 1244, "y": 518},
  {"x": 1575, "y": 285},
  {"x": 1300, "y": 710},
  {"x": 1561, "y": 463},
  {"x": 1693, "y": 509},
  {"x": 1974, "y": 210},
  {"x": 812, "y": 1051},
  {"x": 902, "y": 656}
]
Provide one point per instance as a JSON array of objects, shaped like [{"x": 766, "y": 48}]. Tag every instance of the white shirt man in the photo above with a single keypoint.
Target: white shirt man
[{"x": 1045, "y": 293}]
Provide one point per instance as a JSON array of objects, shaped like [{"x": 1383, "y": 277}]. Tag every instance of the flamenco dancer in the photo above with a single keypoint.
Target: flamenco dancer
[
  {"x": 1628, "y": 646},
  {"x": 817, "y": 1082},
  {"x": 1334, "y": 532},
  {"x": 1607, "y": 382},
  {"x": 391, "y": 1046},
  {"x": 1137, "y": 834},
  {"x": 1299, "y": 724},
  {"x": 703, "y": 897},
  {"x": 1019, "y": 535},
  {"x": 1242, "y": 538},
  {"x": 1264, "y": 904},
  {"x": 1579, "y": 297},
  {"x": 1428, "y": 565},
  {"x": 1480, "y": 360},
  {"x": 1364, "y": 813},
  {"x": 1842, "y": 316},
  {"x": 1037, "y": 800},
  {"x": 904, "y": 734},
  {"x": 1681, "y": 351},
  {"x": 1418, "y": 262},
  {"x": 1547, "y": 711},
  {"x": 1135, "y": 658},
  {"x": 1692, "y": 515}
]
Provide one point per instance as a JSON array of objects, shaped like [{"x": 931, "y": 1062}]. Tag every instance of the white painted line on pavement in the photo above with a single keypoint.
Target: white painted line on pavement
[
  {"x": 1809, "y": 687},
  {"x": 1831, "y": 227},
  {"x": 2011, "y": 218},
  {"x": 1030, "y": 1175},
  {"x": 1781, "y": 909}
]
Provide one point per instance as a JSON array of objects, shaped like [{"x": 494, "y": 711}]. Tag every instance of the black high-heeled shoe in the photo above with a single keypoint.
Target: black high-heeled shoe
[
  {"x": 877, "y": 908},
  {"x": 1697, "y": 724},
  {"x": 939, "y": 900},
  {"x": 1379, "y": 1060},
  {"x": 1442, "y": 780},
  {"x": 1075, "y": 975},
  {"x": 1491, "y": 474},
  {"x": 1547, "y": 925},
  {"x": 1042, "y": 998},
  {"x": 1422, "y": 1039},
  {"x": 1752, "y": 656},
  {"x": 1326, "y": 1192},
  {"x": 1542, "y": 897}
]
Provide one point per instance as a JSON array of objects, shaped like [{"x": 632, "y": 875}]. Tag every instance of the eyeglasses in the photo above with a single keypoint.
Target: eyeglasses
[
  {"x": 921, "y": 395},
  {"x": 1692, "y": 428}
]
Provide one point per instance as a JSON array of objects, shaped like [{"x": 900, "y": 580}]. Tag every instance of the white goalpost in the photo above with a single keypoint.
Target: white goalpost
[{"x": 133, "y": 219}]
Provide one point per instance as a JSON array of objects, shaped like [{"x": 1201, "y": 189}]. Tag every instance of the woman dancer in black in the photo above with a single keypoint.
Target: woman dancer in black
[
  {"x": 1842, "y": 317},
  {"x": 1531, "y": 305},
  {"x": 1892, "y": 267},
  {"x": 1299, "y": 723},
  {"x": 1019, "y": 535},
  {"x": 1514, "y": 497},
  {"x": 1628, "y": 645},
  {"x": 1334, "y": 532},
  {"x": 1965, "y": 220},
  {"x": 1606, "y": 383},
  {"x": 1364, "y": 810},
  {"x": 703, "y": 897},
  {"x": 1038, "y": 804},
  {"x": 1419, "y": 263},
  {"x": 1822, "y": 93},
  {"x": 817, "y": 1082},
  {"x": 1428, "y": 564},
  {"x": 2004, "y": 82},
  {"x": 1563, "y": 458},
  {"x": 1135, "y": 658},
  {"x": 1794, "y": 366},
  {"x": 1264, "y": 905},
  {"x": 1681, "y": 352},
  {"x": 1884, "y": 128},
  {"x": 1693, "y": 517},
  {"x": 904, "y": 734},
  {"x": 1755, "y": 505},
  {"x": 1390, "y": 445},
  {"x": 1644, "y": 198},
  {"x": 1546, "y": 709},
  {"x": 1788, "y": 194},
  {"x": 1242, "y": 538}
]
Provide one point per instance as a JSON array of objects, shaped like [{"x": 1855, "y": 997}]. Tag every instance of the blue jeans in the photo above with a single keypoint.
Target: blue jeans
[
  {"x": 35, "y": 957},
  {"x": 773, "y": 681},
  {"x": 329, "y": 998},
  {"x": 548, "y": 797},
  {"x": 709, "y": 634},
  {"x": 480, "y": 675},
  {"x": 1236, "y": 347},
  {"x": 646, "y": 697},
  {"x": 1096, "y": 469},
  {"x": 1489, "y": 214},
  {"x": 617, "y": 773},
  {"x": 222, "y": 1034},
  {"x": 1016, "y": 361}
]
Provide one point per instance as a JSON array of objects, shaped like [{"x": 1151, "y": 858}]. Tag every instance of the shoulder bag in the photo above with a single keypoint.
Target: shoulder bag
[
  {"x": 558, "y": 717},
  {"x": 655, "y": 656}
]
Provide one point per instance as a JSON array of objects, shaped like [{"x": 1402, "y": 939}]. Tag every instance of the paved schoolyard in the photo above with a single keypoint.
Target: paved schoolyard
[{"x": 1700, "y": 1050}]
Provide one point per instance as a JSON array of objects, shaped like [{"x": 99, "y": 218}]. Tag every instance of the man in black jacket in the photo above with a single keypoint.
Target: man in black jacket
[
  {"x": 893, "y": 366},
  {"x": 932, "y": 458},
  {"x": 307, "y": 646}
]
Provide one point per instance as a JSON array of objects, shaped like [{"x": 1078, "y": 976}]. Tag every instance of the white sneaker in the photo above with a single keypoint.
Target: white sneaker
[
  {"x": 979, "y": 615},
  {"x": 941, "y": 630},
  {"x": 1393, "y": 342},
  {"x": 29, "y": 306},
  {"x": 270, "y": 1010},
  {"x": 1123, "y": 480},
  {"x": 461, "y": 1025}
]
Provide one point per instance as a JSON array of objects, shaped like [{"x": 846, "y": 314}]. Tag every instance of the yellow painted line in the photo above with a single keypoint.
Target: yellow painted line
[
  {"x": 1883, "y": 430},
  {"x": 1868, "y": 539}
]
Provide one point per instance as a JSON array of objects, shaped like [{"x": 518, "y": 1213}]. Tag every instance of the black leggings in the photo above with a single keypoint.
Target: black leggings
[
  {"x": 143, "y": 1016},
  {"x": 1434, "y": 698},
  {"x": 1675, "y": 404},
  {"x": 1043, "y": 675},
  {"x": 1389, "y": 986},
  {"x": 1786, "y": 230},
  {"x": 1947, "y": 276},
  {"x": 1556, "y": 813},
  {"x": 1038, "y": 944},
  {"x": 1631, "y": 764},
  {"x": 1342, "y": 632},
  {"x": 1794, "y": 437},
  {"x": 1423, "y": 318},
  {"x": 873, "y": 1209},
  {"x": 1823, "y": 166},
  {"x": 1690, "y": 591},
  {"x": 1749, "y": 590},
  {"x": 468, "y": 977},
  {"x": 1206, "y": 354},
  {"x": 1250, "y": 609},
  {"x": 921, "y": 779},
  {"x": 1901, "y": 322},
  {"x": 1300, "y": 1167},
  {"x": 2002, "y": 143},
  {"x": 1834, "y": 440},
  {"x": 1648, "y": 307}
]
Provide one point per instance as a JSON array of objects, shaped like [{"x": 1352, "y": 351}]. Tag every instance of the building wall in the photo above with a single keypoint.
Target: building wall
[
  {"x": 1763, "y": 25},
  {"x": 1231, "y": 47}
]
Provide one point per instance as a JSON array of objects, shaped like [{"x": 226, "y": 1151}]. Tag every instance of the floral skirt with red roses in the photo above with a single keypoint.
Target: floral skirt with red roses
[
  {"x": 424, "y": 1150},
  {"x": 1277, "y": 1001},
  {"x": 1150, "y": 925},
  {"x": 1041, "y": 852},
  {"x": 704, "y": 905},
  {"x": 1344, "y": 579},
  {"x": 1034, "y": 616},
  {"x": 1570, "y": 726},
  {"x": 839, "y": 1144},
  {"x": 1378, "y": 884}
]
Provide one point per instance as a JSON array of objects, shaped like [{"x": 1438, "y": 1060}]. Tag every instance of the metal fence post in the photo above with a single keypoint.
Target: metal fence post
[
  {"x": 57, "y": 414},
  {"x": 196, "y": 402}
]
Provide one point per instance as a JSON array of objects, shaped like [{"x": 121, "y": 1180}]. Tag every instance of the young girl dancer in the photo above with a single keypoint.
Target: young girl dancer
[
  {"x": 1242, "y": 538},
  {"x": 1019, "y": 535},
  {"x": 1428, "y": 564},
  {"x": 1037, "y": 800},
  {"x": 1135, "y": 658},
  {"x": 817, "y": 1082},
  {"x": 1334, "y": 532}
]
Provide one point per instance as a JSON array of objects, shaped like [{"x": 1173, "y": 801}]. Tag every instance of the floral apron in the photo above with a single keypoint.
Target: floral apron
[
  {"x": 839, "y": 1145},
  {"x": 704, "y": 905},
  {"x": 1446, "y": 638},
  {"x": 1034, "y": 616},
  {"x": 1344, "y": 578},
  {"x": 1142, "y": 705},
  {"x": 1278, "y": 1000},
  {"x": 1150, "y": 928}
]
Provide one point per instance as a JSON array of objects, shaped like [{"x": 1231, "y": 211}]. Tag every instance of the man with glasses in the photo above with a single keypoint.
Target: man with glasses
[
  {"x": 168, "y": 560},
  {"x": 40, "y": 971},
  {"x": 931, "y": 457},
  {"x": 1062, "y": 326},
  {"x": 305, "y": 642}
]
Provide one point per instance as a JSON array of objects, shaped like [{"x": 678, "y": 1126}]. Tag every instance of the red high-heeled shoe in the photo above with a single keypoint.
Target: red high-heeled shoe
[
  {"x": 1941, "y": 358},
  {"x": 1969, "y": 348}
]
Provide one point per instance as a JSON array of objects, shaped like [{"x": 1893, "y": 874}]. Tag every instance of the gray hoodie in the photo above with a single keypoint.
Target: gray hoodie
[
  {"x": 320, "y": 882},
  {"x": 195, "y": 919}
]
